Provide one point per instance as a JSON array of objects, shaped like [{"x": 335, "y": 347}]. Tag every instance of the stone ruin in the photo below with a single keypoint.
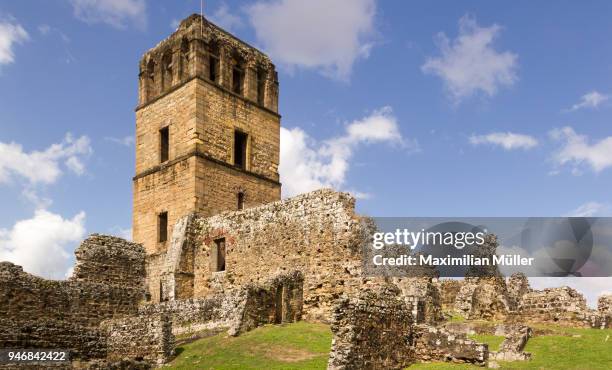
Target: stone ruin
[{"x": 514, "y": 342}]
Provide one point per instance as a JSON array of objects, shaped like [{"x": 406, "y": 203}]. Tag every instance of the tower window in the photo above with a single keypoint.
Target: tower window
[
  {"x": 162, "y": 224},
  {"x": 164, "y": 144},
  {"x": 237, "y": 80},
  {"x": 240, "y": 198},
  {"x": 261, "y": 84},
  {"x": 218, "y": 255},
  {"x": 240, "y": 149},
  {"x": 213, "y": 67}
]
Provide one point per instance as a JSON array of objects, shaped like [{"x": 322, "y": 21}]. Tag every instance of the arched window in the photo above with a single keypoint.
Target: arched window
[
  {"x": 166, "y": 70},
  {"x": 150, "y": 76},
  {"x": 184, "y": 66}
]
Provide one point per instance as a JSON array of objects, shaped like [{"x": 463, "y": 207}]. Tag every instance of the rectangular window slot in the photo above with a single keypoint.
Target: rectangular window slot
[
  {"x": 240, "y": 149},
  {"x": 162, "y": 223},
  {"x": 164, "y": 144}
]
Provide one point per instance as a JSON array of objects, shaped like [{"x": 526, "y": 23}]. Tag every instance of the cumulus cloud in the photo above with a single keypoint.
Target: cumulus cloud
[
  {"x": 591, "y": 100},
  {"x": 317, "y": 34},
  {"x": 306, "y": 164},
  {"x": 125, "y": 141},
  {"x": 116, "y": 13},
  {"x": 469, "y": 64},
  {"x": 11, "y": 34},
  {"x": 43, "y": 166},
  {"x": 43, "y": 244},
  {"x": 226, "y": 19},
  {"x": 576, "y": 150},
  {"x": 506, "y": 140},
  {"x": 591, "y": 209}
]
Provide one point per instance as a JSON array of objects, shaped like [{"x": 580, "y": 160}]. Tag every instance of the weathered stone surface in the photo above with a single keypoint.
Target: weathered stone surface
[
  {"x": 372, "y": 331},
  {"x": 142, "y": 337},
  {"x": 317, "y": 233},
  {"x": 438, "y": 344},
  {"x": 511, "y": 349},
  {"x": 422, "y": 294},
  {"x": 518, "y": 286},
  {"x": 553, "y": 304},
  {"x": 202, "y": 112},
  {"x": 39, "y": 313},
  {"x": 482, "y": 298}
]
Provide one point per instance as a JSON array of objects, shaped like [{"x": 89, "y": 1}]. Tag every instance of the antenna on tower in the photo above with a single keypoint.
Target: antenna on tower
[{"x": 201, "y": 17}]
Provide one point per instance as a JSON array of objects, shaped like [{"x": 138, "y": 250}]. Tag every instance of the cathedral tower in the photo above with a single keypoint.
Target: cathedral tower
[{"x": 207, "y": 130}]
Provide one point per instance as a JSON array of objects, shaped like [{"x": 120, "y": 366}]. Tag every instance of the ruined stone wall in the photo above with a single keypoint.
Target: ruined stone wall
[
  {"x": 142, "y": 337},
  {"x": 518, "y": 286},
  {"x": 438, "y": 344},
  {"x": 317, "y": 234},
  {"x": 604, "y": 304},
  {"x": 448, "y": 292},
  {"x": 108, "y": 281},
  {"x": 553, "y": 304},
  {"x": 372, "y": 330},
  {"x": 422, "y": 294},
  {"x": 483, "y": 298},
  {"x": 278, "y": 300}
]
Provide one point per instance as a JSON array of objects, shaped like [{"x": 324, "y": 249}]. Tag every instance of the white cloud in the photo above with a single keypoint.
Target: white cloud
[
  {"x": 125, "y": 233},
  {"x": 591, "y": 100},
  {"x": 576, "y": 150},
  {"x": 44, "y": 29},
  {"x": 225, "y": 19},
  {"x": 43, "y": 244},
  {"x": 307, "y": 165},
  {"x": 316, "y": 34},
  {"x": 11, "y": 33},
  {"x": 591, "y": 209},
  {"x": 469, "y": 64},
  {"x": 43, "y": 166},
  {"x": 116, "y": 13},
  {"x": 506, "y": 140},
  {"x": 125, "y": 141}
]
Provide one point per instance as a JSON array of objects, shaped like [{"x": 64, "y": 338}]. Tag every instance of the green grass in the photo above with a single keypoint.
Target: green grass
[
  {"x": 294, "y": 346},
  {"x": 306, "y": 346},
  {"x": 560, "y": 350}
]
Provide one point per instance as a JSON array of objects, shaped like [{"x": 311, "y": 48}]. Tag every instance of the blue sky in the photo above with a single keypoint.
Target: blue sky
[{"x": 420, "y": 108}]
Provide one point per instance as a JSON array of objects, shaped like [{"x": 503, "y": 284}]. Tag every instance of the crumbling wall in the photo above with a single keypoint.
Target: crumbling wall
[
  {"x": 108, "y": 281},
  {"x": 604, "y": 304},
  {"x": 422, "y": 294},
  {"x": 372, "y": 331},
  {"x": 448, "y": 292},
  {"x": 553, "y": 304},
  {"x": 438, "y": 344},
  {"x": 142, "y": 337},
  {"x": 517, "y": 286},
  {"x": 317, "y": 234},
  {"x": 277, "y": 300},
  {"x": 482, "y": 298},
  {"x": 511, "y": 349}
]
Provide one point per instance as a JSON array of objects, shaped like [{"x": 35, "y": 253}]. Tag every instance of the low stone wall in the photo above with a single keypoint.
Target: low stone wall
[
  {"x": 553, "y": 304},
  {"x": 142, "y": 337},
  {"x": 372, "y": 331},
  {"x": 438, "y": 344},
  {"x": 511, "y": 349},
  {"x": 38, "y": 313},
  {"x": 239, "y": 310}
]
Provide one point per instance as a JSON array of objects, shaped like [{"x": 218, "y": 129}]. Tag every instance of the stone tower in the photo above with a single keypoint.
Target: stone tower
[{"x": 207, "y": 130}]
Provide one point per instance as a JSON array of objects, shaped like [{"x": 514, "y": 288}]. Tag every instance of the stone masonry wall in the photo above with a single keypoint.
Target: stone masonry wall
[
  {"x": 553, "y": 304},
  {"x": 37, "y": 313},
  {"x": 372, "y": 331},
  {"x": 143, "y": 337},
  {"x": 317, "y": 234}
]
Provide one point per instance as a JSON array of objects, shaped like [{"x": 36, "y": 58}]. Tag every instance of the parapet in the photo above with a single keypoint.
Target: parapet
[{"x": 200, "y": 49}]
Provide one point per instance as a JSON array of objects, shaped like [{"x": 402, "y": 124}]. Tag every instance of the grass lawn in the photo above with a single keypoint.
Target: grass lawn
[
  {"x": 566, "y": 348},
  {"x": 306, "y": 346},
  {"x": 293, "y": 346}
]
